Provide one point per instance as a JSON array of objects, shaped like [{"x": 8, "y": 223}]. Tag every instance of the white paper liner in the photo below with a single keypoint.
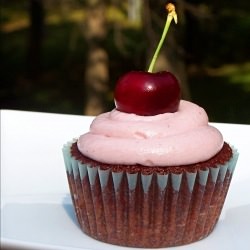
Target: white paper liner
[{"x": 212, "y": 178}]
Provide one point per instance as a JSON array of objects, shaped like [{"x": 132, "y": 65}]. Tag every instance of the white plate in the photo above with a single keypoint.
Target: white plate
[{"x": 36, "y": 209}]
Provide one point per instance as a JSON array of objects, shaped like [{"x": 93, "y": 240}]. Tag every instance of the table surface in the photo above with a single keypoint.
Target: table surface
[{"x": 32, "y": 172}]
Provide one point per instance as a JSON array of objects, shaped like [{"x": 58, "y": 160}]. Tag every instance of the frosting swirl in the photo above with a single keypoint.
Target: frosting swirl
[{"x": 168, "y": 139}]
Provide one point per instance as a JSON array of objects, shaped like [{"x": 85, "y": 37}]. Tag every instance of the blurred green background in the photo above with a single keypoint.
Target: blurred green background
[{"x": 66, "y": 56}]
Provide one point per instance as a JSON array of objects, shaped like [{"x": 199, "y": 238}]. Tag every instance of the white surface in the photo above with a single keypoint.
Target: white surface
[{"x": 36, "y": 209}]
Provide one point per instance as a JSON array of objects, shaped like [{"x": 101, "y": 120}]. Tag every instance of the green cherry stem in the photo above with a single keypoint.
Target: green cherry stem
[{"x": 171, "y": 15}]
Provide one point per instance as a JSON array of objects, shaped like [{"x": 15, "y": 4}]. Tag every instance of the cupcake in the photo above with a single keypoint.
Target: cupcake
[{"x": 152, "y": 172}]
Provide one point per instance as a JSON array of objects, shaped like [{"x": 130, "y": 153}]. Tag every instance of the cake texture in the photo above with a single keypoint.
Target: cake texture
[{"x": 154, "y": 181}]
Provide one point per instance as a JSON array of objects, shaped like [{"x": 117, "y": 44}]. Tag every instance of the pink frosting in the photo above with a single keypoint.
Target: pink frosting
[{"x": 168, "y": 139}]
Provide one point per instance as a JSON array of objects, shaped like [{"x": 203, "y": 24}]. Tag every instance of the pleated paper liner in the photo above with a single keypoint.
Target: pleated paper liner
[{"x": 147, "y": 210}]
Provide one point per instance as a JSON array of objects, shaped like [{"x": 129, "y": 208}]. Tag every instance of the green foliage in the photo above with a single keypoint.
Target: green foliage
[{"x": 59, "y": 86}]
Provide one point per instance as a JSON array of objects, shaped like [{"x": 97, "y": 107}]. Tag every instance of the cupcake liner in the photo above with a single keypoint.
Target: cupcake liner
[{"x": 147, "y": 210}]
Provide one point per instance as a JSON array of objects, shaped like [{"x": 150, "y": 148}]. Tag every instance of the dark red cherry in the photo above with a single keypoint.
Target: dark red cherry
[{"x": 145, "y": 93}]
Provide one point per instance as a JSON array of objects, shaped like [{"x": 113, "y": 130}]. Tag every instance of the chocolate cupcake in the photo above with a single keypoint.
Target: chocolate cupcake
[
  {"x": 124, "y": 195},
  {"x": 152, "y": 172}
]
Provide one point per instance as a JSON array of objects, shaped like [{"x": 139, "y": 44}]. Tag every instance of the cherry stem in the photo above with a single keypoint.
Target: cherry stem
[{"x": 171, "y": 15}]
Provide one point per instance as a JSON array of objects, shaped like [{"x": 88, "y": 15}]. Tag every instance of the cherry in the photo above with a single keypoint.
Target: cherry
[{"x": 146, "y": 93}]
